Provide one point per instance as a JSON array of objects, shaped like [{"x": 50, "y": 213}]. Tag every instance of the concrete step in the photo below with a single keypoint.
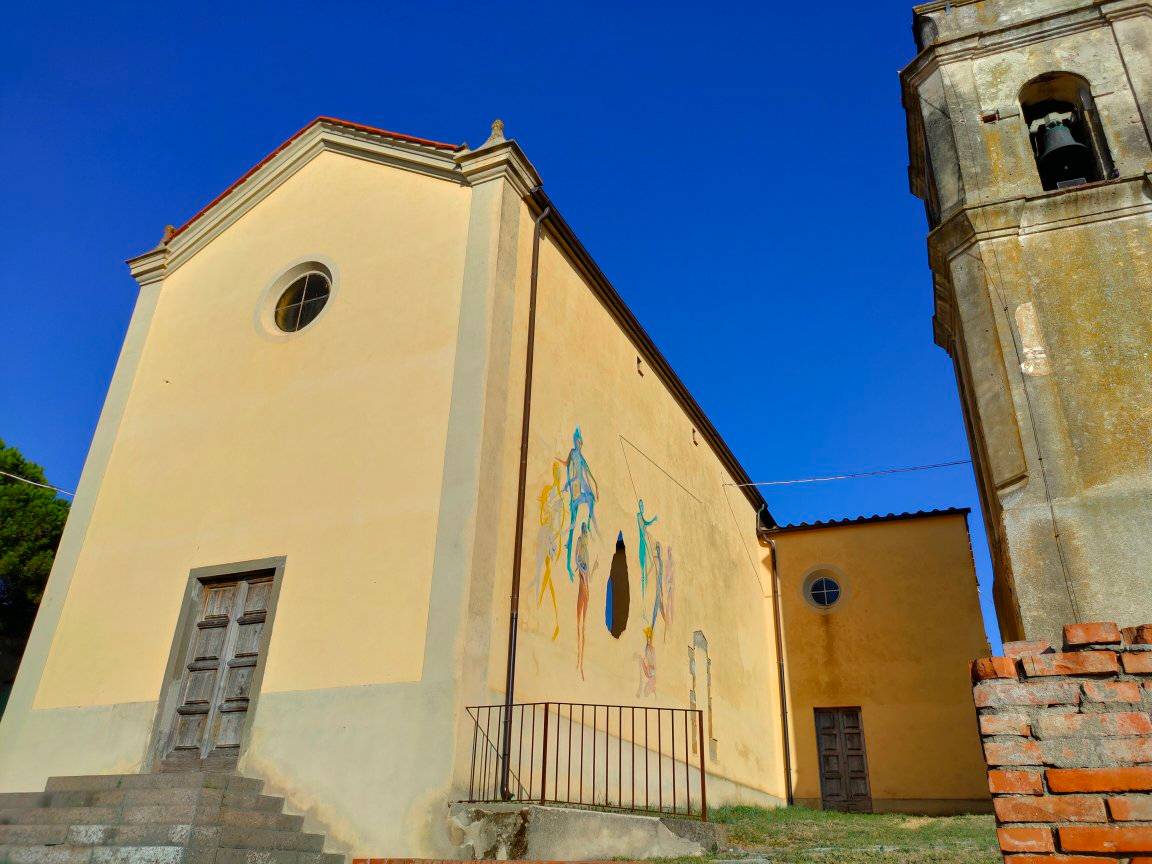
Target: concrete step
[
  {"x": 189, "y": 780},
  {"x": 158, "y": 854},
  {"x": 240, "y": 837},
  {"x": 60, "y": 816}
]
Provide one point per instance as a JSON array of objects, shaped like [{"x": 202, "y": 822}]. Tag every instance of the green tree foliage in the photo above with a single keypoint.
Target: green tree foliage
[{"x": 31, "y": 521}]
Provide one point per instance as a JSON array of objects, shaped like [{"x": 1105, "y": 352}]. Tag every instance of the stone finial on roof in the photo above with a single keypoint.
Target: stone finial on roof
[
  {"x": 497, "y": 135},
  {"x": 169, "y": 232}
]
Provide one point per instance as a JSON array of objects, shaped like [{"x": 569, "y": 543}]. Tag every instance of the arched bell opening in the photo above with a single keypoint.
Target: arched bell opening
[{"x": 1067, "y": 139}]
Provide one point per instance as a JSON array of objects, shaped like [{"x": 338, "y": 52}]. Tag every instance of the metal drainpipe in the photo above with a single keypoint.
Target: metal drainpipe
[
  {"x": 780, "y": 671},
  {"x": 518, "y": 547}
]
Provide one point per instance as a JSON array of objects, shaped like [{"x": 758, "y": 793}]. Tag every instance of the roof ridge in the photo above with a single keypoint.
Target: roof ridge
[{"x": 335, "y": 121}]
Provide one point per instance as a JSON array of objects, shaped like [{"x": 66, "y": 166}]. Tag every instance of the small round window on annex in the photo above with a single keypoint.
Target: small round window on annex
[
  {"x": 823, "y": 590},
  {"x": 302, "y": 301}
]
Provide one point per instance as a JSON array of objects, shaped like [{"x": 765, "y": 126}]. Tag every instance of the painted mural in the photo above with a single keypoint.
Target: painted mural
[
  {"x": 568, "y": 527},
  {"x": 584, "y": 570},
  {"x": 582, "y": 490},
  {"x": 642, "y": 526},
  {"x": 617, "y": 594},
  {"x": 548, "y": 545}
]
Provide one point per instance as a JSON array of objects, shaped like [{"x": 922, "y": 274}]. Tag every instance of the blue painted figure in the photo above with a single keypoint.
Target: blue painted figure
[
  {"x": 582, "y": 488},
  {"x": 642, "y": 529}
]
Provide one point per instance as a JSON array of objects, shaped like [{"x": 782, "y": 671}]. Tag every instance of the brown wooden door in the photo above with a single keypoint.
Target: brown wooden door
[
  {"x": 843, "y": 763},
  {"x": 222, "y": 659}
]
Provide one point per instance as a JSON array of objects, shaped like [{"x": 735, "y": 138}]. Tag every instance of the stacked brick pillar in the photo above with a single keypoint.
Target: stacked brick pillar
[{"x": 1068, "y": 741}]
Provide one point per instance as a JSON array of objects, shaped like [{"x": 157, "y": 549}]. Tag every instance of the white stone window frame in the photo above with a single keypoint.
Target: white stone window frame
[
  {"x": 275, "y": 287},
  {"x": 821, "y": 571}
]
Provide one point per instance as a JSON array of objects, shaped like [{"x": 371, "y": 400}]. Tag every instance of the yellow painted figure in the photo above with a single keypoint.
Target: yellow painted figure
[{"x": 549, "y": 542}]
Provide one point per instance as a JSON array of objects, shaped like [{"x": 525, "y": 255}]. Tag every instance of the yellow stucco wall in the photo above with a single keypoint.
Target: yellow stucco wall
[
  {"x": 326, "y": 447},
  {"x": 239, "y": 444},
  {"x": 898, "y": 646},
  {"x": 376, "y": 452},
  {"x": 638, "y": 442}
]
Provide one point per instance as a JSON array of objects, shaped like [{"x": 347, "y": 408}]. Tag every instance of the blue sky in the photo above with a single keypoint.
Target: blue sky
[{"x": 738, "y": 171}]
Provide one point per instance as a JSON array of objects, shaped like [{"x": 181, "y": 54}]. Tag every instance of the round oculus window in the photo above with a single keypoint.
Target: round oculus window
[
  {"x": 302, "y": 301},
  {"x": 824, "y": 591}
]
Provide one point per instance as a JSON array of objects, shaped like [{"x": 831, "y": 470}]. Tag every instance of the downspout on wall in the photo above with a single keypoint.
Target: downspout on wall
[{"x": 521, "y": 490}]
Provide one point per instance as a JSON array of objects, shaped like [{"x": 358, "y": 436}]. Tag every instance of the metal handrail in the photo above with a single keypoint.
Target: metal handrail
[{"x": 633, "y": 758}]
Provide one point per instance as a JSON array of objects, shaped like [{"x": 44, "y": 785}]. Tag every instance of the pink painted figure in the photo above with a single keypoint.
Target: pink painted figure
[
  {"x": 647, "y": 667},
  {"x": 549, "y": 542},
  {"x": 584, "y": 572}
]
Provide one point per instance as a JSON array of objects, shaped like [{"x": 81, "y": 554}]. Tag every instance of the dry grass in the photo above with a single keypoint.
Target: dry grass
[{"x": 798, "y": 836}]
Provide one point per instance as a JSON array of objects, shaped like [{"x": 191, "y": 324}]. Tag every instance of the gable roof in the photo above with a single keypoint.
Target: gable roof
[
  {"x": 868, "y": 520},
  {"x": 443, "y": 159},
  {"x": 332, "y": 121}
]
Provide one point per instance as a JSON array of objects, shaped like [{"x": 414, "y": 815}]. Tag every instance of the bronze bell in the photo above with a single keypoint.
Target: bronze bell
[{"x": 1061, "y": 155}]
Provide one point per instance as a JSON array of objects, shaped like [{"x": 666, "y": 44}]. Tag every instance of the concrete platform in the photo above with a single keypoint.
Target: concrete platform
[{"x": 509, "y": 832}]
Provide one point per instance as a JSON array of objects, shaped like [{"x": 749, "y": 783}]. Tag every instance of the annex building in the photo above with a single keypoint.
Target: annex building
[{"x": 381, "y": 426}]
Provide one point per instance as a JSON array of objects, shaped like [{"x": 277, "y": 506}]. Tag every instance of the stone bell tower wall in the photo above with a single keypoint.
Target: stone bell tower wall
[{"x": 1041, "y": 296}]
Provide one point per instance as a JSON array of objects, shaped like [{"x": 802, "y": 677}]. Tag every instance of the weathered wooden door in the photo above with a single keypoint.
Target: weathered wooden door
[
  {"x": 843, "y": 763},
  {"x": 222, "y": 659}
]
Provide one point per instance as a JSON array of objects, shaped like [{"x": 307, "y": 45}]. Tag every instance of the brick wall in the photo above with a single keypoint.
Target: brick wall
[{"x": 1068, "y": 740}]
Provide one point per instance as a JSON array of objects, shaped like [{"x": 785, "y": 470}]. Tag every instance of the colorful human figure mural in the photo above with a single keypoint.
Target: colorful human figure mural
[
  {"x": 582, "y": 489},
  {"x": 658, "y": 604},
  {"x": 647, "y": 667},
  {"x": 616, "y": 594},
  {"x": 669, "y": 603},
  {"x": 551, "y": 501},
  {"x": 642, "y": 525},
  {"x": 584, "y": 570}
]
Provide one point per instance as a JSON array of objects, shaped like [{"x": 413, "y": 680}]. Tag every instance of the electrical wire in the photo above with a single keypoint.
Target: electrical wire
[
  {"x": 857, "y": 474},
  {"x": 41, "y": 485}
]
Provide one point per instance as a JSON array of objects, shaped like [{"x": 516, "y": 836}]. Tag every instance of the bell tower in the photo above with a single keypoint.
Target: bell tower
[{"x": 1029, "y": 139}]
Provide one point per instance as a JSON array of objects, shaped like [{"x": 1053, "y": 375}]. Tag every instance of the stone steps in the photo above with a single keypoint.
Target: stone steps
[{"x": 167, "y": 818}]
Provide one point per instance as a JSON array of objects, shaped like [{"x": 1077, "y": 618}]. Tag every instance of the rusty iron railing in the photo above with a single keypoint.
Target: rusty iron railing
[{"x": 633, "y": 758}]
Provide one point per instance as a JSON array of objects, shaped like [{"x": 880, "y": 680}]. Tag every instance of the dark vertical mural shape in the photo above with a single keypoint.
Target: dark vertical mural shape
[{"x": 616, "y": 598}]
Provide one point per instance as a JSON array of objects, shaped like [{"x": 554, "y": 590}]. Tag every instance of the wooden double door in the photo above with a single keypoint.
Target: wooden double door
[
  {"x": 222, "y": 659},
  {"x": 843, "y": 761}
]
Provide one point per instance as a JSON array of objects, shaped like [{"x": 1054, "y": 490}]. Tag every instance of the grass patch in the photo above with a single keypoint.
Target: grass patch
[{"x": 795, "y": 835}]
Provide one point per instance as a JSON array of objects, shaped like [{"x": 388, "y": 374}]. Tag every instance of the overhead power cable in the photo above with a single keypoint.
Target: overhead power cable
[
  {"x": 857, "y": 474},
  {"x": 41, "y": 485}
]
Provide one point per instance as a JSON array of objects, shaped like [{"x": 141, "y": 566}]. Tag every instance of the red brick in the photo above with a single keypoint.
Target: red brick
[
  {"x": 1026, "y": 839},
  {"x": 1141, "y": 634},
  {"x": 1020, "y": 752},
  {"x": 1131, "y": 808},
  {"x": 1005, "y": 724},
  {"x": 1140, "y": 860},
  {"x": 1098, "y": 633},
  {"x": 1019, "y": 649},
  {"x": 1070, "y": 663},
  {"x": 1100, "y": 779},
  {"x": 1071, "y": 725},
  {"x": 999, "y": 694},
  {"x": 1111, "y": 691},
  {"x": 993, "y": 667},
  {"x": 1138, "y": 662},
  {"x": 1060, "y": 859},
  {"x": 1106, "y": 838},
  {"x": 1058, "y": 808},
  {"x": 1016, "y": 783},
  {"x": 1120, "y": 750}
]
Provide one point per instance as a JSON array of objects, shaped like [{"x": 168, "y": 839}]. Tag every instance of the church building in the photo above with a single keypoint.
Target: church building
[{"x": 393, "y": 504}]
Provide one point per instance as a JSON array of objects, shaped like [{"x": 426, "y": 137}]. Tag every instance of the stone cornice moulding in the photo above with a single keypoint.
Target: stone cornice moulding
[
  {"x": 982, "y": 43},
  {"x": 149, "y": 268},
  {"x": 1034, "y": 214},
  {"x": 272, "y": 174},
  {"x": 503, "y": 159}
]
